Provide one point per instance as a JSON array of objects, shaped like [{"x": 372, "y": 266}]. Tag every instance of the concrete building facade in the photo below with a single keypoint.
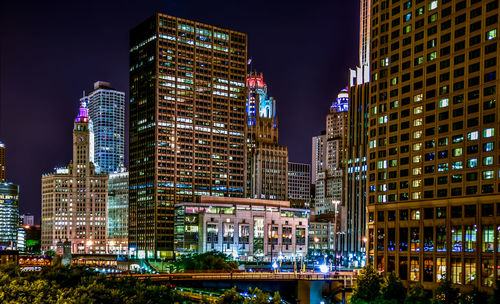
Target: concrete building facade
[
  {"x": 247, "y": 229},
  {"x": 74, "y": 198}
]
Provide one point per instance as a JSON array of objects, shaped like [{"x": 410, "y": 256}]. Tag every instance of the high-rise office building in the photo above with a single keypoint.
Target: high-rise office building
[
  {"x": 299, "y": 184},
  {"x": 2, "y": 162},
  {"x": 356, "y": 140},
  {"x": 318, "y": 156},
  {"x": 9, "y": 215},
  {"x": 433, "y": 184},
  {"x": 74, "y": 198},
  {"x": 329, "y": 179},
  {"x": 117, "y": 213},
  {"x": 107, "y": 114},
  {"x": 267, "y": 161},
  {"x": 187, "y": 123}
]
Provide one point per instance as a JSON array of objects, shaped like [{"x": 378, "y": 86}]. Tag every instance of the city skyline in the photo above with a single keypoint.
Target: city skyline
[{"x": 319, "y": 83}]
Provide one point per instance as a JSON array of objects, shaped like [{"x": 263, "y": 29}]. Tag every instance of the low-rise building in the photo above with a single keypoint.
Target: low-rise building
[{"x": 247, "y": 229}]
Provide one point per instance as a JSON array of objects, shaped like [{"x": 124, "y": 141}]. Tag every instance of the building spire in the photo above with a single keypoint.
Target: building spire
[{"x": 83, "y": 112}]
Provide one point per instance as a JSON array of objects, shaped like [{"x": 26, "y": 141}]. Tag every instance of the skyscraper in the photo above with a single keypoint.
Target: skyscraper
[
  {"x": 433, "y": 185},
  {"x": 267, "y": 161},
  {"x": 9, "y": 215},
  {"x": 2, "y": 162},
  {"x": 74, "y": 198},
  {"x": 318, "y": 155},
  {"x": 117, "y": 213},
  {"x": 299, "y": 184},
  {"x": 329, "y": 179},
  {"x": 107, "y": 113},
  {"x": 187, "y": 123}
]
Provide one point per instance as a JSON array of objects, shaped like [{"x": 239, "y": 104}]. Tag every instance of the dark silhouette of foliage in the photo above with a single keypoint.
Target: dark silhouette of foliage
[
  {"x": 393, "y": 289},
  {"x": 368, "y": 286},
  {"x": 446, "y": 293},
  {"x": 212, "y": 260}
]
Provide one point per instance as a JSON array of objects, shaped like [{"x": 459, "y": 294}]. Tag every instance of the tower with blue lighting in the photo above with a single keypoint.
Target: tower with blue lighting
[{"x": 267, "y": 161}]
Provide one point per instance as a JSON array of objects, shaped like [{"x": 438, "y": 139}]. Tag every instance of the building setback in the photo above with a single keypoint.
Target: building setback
[
  {"x": 74, "y": 198},
  {"x": 107, "y": 114},
  {"x": 9, "y": 215},
  {"x": 267, "y": 161},
  {"x": 187, "y": 123},
  {"x": 433, "y": 185}
]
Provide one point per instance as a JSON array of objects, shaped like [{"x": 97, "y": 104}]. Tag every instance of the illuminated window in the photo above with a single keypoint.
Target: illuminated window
[
  {"x": 488, "y": 160},
  {"x": 417, "y": 146},
  {"x": 416, "y": 195},
  {"x": 456, "y": 270},
  {"x": 407, "y": 29},
  {"x": 407, "y": 17},
  {"x": 488, "y": 174},
  {"x": 417, "y": 134},
  {"x": 433, "y": 5},
  {"x": 419, "y": 11},
  {"x": 382, "y": 119},
  {"x": 418, "y": 110},
  {"x": 457, "y": 152},
  {"x": 374, "y": 110},
  {"x": 443, "y": 103},
  {"x": 443, "y": 167},
  {"x": 382, "y": 164},
  {"x": 470, "y": 270},
  {"x": 417, "y": 159},
  {"x": 393, "y": 163},
  {"x": 384, "y": 61},
  {"x": 491, "y": 34},
  {"x": 487, "y": 147},
  {"x": 417, "y": 122},
  {"x": 457, "y": 165},
  {"x": 418, "y": 98},
  {"x": 419, "y": 60},
  {"x": 414, "y": 269},
  {"x": 488, "y": 237},
  {"x": 382, "y": 198},
  {"x": 456, "y": 238},
  {"x": 417, "y": 171},
  {"x": 433, "y": 17},
  {"x": 431, "y": 56},
  {"x": 473, "y": 135},
  {"x": 488, "y": 272},
  {"x": 394, "y": 81},
  {"x": 440, "y": 269},
  {"x": 373, "y": 144},
  {"x": 472, "y": 163},
  {"x": 416, "y": 183},
  {"x": 488, "y": 132}
]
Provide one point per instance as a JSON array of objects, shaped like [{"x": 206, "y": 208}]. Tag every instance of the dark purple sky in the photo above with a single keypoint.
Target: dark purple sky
[{"x": 50, "y": 51}]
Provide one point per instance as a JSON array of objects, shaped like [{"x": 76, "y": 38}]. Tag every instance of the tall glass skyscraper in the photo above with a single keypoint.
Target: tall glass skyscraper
[
  {"x": 9, "y": 215},
  {"x": 107, "y": 113}
]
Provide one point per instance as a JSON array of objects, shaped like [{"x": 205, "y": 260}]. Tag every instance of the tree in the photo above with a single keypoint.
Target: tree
[
  {"x": 446, "y": 293},
  {"x": 475, "y": 296},
  {"x": 212, "y": 260},
  {"x": 368, "y": 286},
  {"x": 417, "y": 295},
  {"x": 257, "y": 296},
  {"x": 393, "y": 289},
  {"x": 229, "y": 297}
]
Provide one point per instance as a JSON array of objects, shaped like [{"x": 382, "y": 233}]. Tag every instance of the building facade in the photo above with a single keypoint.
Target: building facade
[
  {"x": 117, "y": 213},
  {"x": 247, "y": 229},
  {"x": 187, "y": 123},
  {"x": 433, "y": 184},
  {"x": 267, "y": 161},
  {"x": 2, "y": 162},
  {"x": 74, "y": 198},
  {"x": 9, "y": 216},
  {"x": 107, "y": 113},
  {"x": 318, "y": 163},
  {"x": 329, "y": 181},
  {"x": 299, "y": 184}
]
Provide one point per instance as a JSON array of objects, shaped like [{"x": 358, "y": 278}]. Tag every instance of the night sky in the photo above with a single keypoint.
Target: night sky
[{"x": 51, "y": 51}]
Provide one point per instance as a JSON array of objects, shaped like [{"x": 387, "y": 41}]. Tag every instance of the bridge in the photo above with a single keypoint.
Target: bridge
[{"x": 303, "y": 288}]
